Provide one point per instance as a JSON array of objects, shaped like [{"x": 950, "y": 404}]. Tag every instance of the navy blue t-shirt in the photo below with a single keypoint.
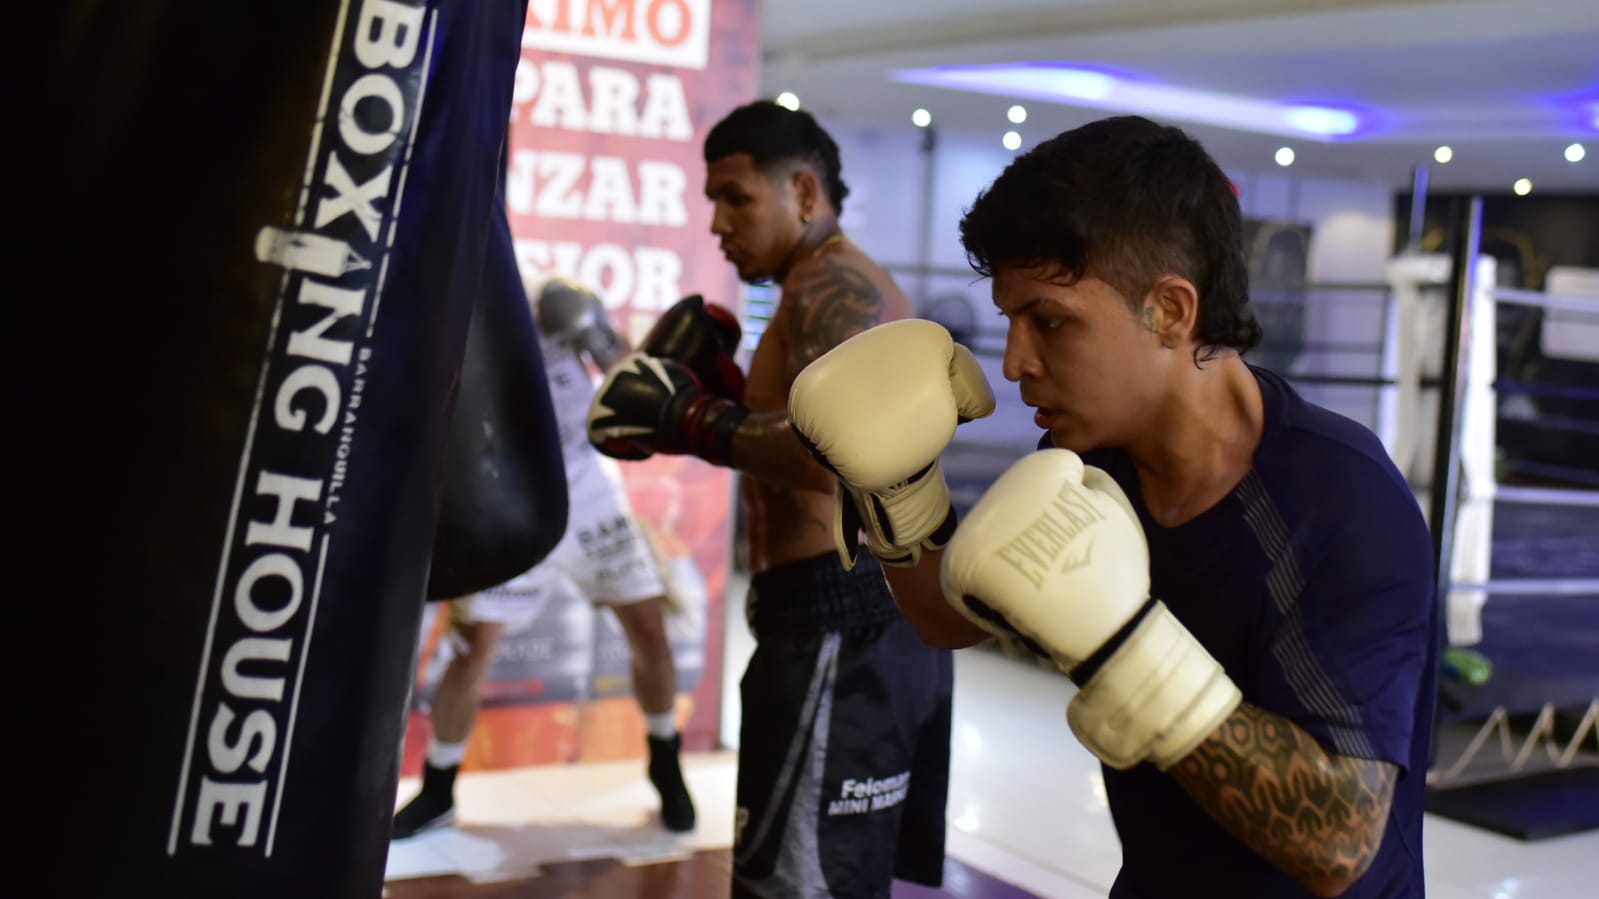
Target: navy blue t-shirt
[{"x": 1312, "y": 583}]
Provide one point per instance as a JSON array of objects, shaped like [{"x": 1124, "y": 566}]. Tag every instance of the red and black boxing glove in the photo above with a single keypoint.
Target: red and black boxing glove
[
  {"x": 704, "y": 337},
  {"x": 650, "y": 405}
]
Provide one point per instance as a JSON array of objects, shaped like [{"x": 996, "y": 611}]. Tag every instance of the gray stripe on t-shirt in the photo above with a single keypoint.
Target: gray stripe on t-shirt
[{"x": 1286, "y": 585}]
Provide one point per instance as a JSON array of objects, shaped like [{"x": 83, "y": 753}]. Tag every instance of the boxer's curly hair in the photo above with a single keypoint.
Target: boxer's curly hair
[
  {"x": 1127, "y": 201},
  {"x": 774, "y": 135}
]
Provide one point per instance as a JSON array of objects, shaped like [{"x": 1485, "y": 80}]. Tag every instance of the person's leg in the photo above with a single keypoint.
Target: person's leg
[
  {"x": 927, "y": 690},
  {"x": 455, "y": 708},
  {"x": 655, "y": 686},
  {"x": 613, "y": 564},
  {"x": 829, "y": 822},
  {"x": 654, "y": 675},
  {"x": 456, "y": 703},
  {"x": 776, "y": 724}
]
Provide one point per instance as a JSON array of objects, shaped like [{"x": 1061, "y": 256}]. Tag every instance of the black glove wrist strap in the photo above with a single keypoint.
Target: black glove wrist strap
[{"x": 707, "y": 425}]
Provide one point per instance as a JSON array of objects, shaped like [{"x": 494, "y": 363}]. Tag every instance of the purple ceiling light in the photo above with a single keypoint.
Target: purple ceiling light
[{"x": 1101, "y": 89}]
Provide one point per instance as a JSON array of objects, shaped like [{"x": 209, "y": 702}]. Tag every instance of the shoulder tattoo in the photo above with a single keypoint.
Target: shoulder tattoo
[{"x": 831, "y": 303}]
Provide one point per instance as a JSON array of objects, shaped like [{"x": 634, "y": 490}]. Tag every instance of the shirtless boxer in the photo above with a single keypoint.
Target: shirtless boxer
[{"x": 844, "y": 742}]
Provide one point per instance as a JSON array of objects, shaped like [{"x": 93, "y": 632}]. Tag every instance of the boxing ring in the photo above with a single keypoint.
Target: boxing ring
[{"x": 1518, "y": 565}]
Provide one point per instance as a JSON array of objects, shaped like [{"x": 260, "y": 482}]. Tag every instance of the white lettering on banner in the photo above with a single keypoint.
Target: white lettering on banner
[
  {"x": 612, "y": 105},
  {"x": 660, "y": 32},
  {"x": 275, "y": 550},
  {"x": 551, "y": 184},
  {"x": 645, "y": 278}
]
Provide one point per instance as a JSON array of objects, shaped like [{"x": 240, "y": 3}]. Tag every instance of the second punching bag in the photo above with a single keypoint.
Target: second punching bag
[
  {"x": 504, "y": 502},
  {"x": 260, "y": 228}
]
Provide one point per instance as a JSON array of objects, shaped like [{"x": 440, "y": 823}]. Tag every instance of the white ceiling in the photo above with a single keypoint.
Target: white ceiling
[{"x": 1497, "y": 80}]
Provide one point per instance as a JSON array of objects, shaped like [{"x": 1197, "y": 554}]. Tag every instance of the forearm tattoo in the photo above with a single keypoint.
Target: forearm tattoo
[
  {"x": 831, "y": 303},
  {"x": 1318, "y": 817}
]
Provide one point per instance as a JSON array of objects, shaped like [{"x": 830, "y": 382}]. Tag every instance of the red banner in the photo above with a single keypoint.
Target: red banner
[{"x": 612, "y": 102}]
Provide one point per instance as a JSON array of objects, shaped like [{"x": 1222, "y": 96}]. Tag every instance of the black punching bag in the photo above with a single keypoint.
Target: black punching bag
[
  {"x": 250, "y": 237},
  {"x": 500, "y": 512}
]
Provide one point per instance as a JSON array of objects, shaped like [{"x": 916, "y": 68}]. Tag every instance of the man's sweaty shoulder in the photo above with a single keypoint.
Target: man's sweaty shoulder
[{"x": 833, "y": 296}]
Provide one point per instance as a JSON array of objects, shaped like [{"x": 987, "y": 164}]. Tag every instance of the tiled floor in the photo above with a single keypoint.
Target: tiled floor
[
  {"x": 703, "y": 874},
  {"x": 1026, "y": 805},
  {"x": 1026, "y": 802},
  {"x": 511, "y": 822}
]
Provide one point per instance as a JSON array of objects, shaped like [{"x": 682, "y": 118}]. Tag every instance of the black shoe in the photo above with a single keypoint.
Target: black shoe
[
  {"x": 431, "y": 808},
  {"x": 677, "y": 809}
]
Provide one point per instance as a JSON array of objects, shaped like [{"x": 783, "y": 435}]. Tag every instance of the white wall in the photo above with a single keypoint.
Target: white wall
[
  {"x": 1352, "y": 233},
  {"x": 888, "y": 171},
  {"x": 1352, "y": 222},
  {"x": 884, "y": 172}
]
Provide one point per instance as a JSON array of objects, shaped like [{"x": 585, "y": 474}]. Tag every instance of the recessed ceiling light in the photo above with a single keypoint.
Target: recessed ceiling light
[
  {"x": 1522, "y": 187},
  {"x": 1011, "y": 140},
  {"x": 788, "y": 100},
  {"x": 1083, "y": 86},
  {"x": 1017, "y": 114},
  {"x": 921, "y": 118},
  {"x": 1285, "y": 156},
  {"x": 1575, "y": 153},
  {"x": 1442, "y": 155}
]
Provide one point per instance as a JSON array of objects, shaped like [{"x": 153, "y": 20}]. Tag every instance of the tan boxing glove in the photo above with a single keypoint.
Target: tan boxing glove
[
  {"x": 877, "y": 410},
  {"x": 1054, "y": 554}
]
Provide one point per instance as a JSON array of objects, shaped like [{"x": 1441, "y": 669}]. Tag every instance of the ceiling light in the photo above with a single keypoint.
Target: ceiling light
[
  {"x": 1442, "y": 155},
  {"x": 1077, "y": 86},
  {"x": 1575, "y": 153},
  {"x": 1285, "y": 156},
  {"x": 1011, "y": 140},
  {"x": 1017, "y": 114},
  {"x": 1320, "y": 120},
  {"x": 788, "y": 100},
  {"x": 1522, "y": 187},
  {"x": 921, "y": 118}
]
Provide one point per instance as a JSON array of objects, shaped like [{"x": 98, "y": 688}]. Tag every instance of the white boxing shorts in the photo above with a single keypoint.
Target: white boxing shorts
[{"x": 604, "y": 554}]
